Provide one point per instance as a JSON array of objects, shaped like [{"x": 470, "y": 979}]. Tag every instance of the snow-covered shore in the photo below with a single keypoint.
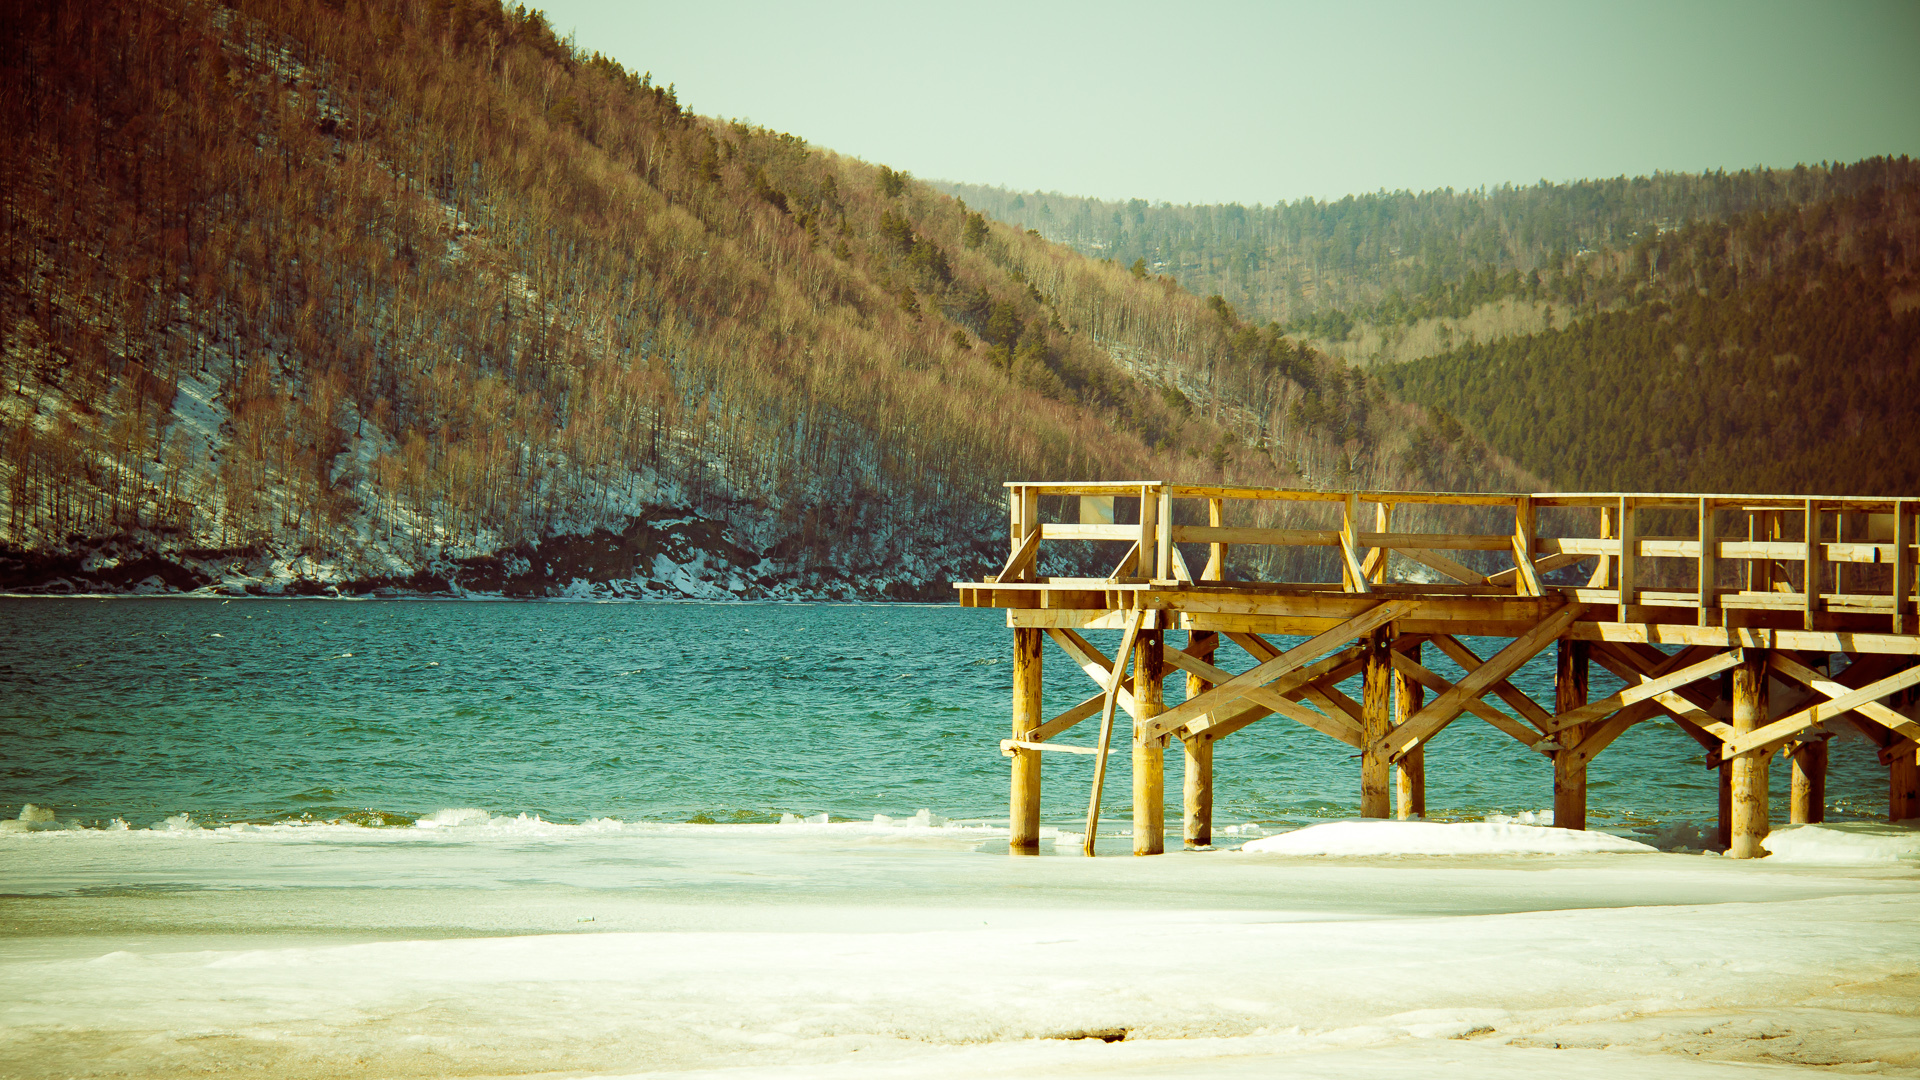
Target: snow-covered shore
[{"x": 511, "y": 946}]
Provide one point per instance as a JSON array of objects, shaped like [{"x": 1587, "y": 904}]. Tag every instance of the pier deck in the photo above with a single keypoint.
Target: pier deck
[{"x": 1753, "y": 597}]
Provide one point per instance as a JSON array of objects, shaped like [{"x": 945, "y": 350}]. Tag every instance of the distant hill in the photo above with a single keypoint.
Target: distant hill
[
  {"x": 1722, "y": 332},
  {"x": 321, "y": 295}
]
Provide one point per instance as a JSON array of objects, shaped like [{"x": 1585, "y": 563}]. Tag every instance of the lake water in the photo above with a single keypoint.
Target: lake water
[{"x": 377, "y": 712}]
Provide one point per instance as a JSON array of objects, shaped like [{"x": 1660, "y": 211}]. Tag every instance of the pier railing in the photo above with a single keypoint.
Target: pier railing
[{"x": 1739, "y": 560}]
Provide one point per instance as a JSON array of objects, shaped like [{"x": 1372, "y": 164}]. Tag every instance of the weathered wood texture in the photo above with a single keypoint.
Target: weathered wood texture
[
  {"x": 1023, "y": 813},
  {"x": 1750, "y": 769},
  {"x": 1149, "y": 753},
  {"x": 1569, "y": 768}
]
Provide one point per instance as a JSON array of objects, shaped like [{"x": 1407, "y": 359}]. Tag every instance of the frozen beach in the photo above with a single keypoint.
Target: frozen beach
[{"x": 507, "y": 947}]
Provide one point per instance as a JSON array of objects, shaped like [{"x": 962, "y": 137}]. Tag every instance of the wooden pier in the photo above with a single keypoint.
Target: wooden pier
[{"x": 1753, "y": 596}]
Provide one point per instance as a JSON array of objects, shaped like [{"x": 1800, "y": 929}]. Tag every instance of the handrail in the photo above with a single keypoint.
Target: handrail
[{"x": 1845, "y": 531}]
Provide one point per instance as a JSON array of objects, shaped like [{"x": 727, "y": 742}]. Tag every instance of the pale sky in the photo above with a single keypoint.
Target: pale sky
[{"x": 1263, "y": 103}]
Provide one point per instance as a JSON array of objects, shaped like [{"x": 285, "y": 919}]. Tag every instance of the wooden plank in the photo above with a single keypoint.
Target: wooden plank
[
  {"x": 1216, "y": 549},
  {"x": 1353, "y": 577},
  {"x": 1163, "y": 535},
  {"x": 1444, "y": 708},
  {"x": 1469, "y": 661},
  {"x": 1091, "y": 660},
  {"x": 1068, "y": 719},
  {"x": 1769, "y": 737},
  {"x": 1008, "y": 746},
  {"x": 1129, "y": 565},
  {"x": 1904, "y": 618},
  {"x": 1650, "y": 688},
  {"x": 1446, "y": 566},
  {"x": 1375, "y": 564},
  {"x": 1603, "y": 569},
  {"x": 1707, "y": 568},
  {"x": 1180, "y": 571},
  {"x": 1682, "y": 703},
  {"x": 1627, "y": 576},
  {"x": 1234, "y": 689},
  {"x": 1112, "y": 698},
  {"x": 1217, "y": 534},
  {"x": 1508, "y": 576},
  {"x": 1527, "y": 582},
  {"x": 1076, "y": 531},
  {"x": 1527, "y": 737},
  {"x": 1603, "y": 735},
  {"x": 1820, "y": 684},
  {"x": 1149, "y": 549},
  {"x": 1276, "y": 698},
  {"x": 1022, "y": 559},
  {"x": 1813, "y": 566}
]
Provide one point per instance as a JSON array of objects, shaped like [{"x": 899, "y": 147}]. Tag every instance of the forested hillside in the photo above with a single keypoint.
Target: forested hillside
[
  {"x": 1745, "y": 332},
  {"x": 415, "y": 294},
  {"x": 1778, "y": 351},
  {"x": 1325, "y": 268}
]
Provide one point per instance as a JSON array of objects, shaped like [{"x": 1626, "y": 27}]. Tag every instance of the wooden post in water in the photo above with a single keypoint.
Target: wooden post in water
[
  {"x": 1723, "y": 833},
  {"x": 1149, "y": 755},
  {"x": 1023, "y": 806},
  {"x": 1750, "y": 769},
  {"x": 1810, "y": 782},
  {"x": 1569, "y": 771},
  {"x": 1376, "y": 710},
  {"x": 1196, "y": 794},
  {"x": 1410, "y": 773}
]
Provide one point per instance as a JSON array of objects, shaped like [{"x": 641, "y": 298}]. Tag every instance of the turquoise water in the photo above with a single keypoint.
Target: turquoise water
[{"x": 382, "y": 711}]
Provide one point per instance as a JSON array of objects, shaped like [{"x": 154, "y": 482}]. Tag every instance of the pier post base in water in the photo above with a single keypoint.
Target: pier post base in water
[
  {"x": 1750, "y": 769},
  {"x": 1023, "y": 806},
  {"x": 1410, "y": 773},
  {"x": 1149, "y": 755},
  {"x": 1903, "y": 787},
  {"x": 1376, "y": 711},
  {"x": 1810, "y": 782},
  {"x": 1196, "y": 789},
  {"x": 1570, "y": 771}
]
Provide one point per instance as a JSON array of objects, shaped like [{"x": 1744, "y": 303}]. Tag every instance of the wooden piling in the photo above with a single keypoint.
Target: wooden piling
[
  {"x": 1749, "y": 786},
  {"x": 1410, "y": 772},
  {"x": 1810, "y": 782},
  {"x": 1376, "y": 707},
  {"x": 1903, "y": 787},
  {"x": 1196, "y": 790},
  {"x": 1023, "y": 807},
  {"x": 1723, "y": 832},
  {"x": 1569, "y": 770},
  {"x": 1149, "y": 755}
]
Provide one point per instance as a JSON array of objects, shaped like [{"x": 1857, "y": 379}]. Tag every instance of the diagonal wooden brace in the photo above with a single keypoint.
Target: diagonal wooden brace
[
  {"x": 1092, "y": 661},
  {"x": 1765, "y": 739},
  {"x": 1533, "y": 740},
  {"x": 1645, "y": 690},
  {"x": 1820, "y": 684},
  {"x": 1239, "y": 686},
  {"x": 1424, "y": 724}
]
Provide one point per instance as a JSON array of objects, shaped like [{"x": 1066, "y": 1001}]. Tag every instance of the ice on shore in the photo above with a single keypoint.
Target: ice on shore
[
  {"x": 1852, "y": 842},
  {"x": 1383, "y": 837},
  {"x": 32, "y": 819}
]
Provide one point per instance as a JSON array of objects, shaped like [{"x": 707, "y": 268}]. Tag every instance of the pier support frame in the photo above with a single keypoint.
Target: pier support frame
[
  {"x": 1410, "y": 773},
  {"x": 1810, "y": 782},
  {"x": 1023, "y": 806},
  {"x": 1196, "y": 794},
  {"x": 1749, "y": 787},
  {"x": 1569, "y": 770},
  {"x": 1149, "y": 755},
  {"x": 1376, "y": 710}
]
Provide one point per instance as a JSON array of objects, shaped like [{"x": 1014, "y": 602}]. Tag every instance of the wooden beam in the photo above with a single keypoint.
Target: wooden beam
[
  {"x": 1217, "y": 549},
  {"x": 1009, "y": 746},
  {"x": 1516, "y": 698},
  {"x": 1410, "y": 772},
  {"x": 1149, "y": 753},
  {"x": 1272, "y": 699},
  {"x": 1811, "y": 575},
  {"x": 1446, "y": 566},
  {"x": 1431, "y": 719},
  {"x": 1648, "y": 689},
  {"x": 1769, "y": 736},
  {"x": 1091, "y": 660},
  {"x": 1683, "y": 703},
  {"x": 1163, "y": 534},
  {"x": 1750, "y": 770},
  {"x": 1528, "y": 581},
  {"x": 1118, "y": 676},
  {"x": 1238, "y": 686},
  {"x": 1602, "y": 735},
  {"x": 1510, "y": 575},
  {"x": 1570, "y": 769},
  {"x": 1628, "y": 575},
  {"x": 1375, "y": 564},
  {"x": 1021, "y": 561},
  {"x": 1708, "y": 566},
  {"x": 1904, "y": 616},
  {"x": 1603, "y": 570},
  {"x": 1376, "y": 714},
  {"x": 1066, "y": 720},
  {"x": 1820, "y": 684},
  {"x": 1807, "y": 803},
  {"x": 1419, "y": 675},
  {"x": 1353, "y": 575},
  {"x": 1023, "y": 800},
  {"x": 1128, "y": 568}
]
